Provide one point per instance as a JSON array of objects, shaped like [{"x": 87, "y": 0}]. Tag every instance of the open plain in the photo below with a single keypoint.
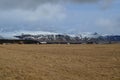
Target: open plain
[{"x": 60, "y": 62}]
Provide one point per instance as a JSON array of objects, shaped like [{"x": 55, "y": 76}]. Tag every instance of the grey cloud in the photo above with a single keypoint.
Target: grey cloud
[
  {"x": 32, "y": 4},
  {"x": 111, "y": 25}
]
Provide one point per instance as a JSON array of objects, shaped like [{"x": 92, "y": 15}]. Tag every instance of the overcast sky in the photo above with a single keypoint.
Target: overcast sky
[{"x": 62, "y": 16}]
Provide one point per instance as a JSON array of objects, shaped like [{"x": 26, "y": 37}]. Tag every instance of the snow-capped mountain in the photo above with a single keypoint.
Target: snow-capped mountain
[
  {"x": 90, "y": 35},
  {"x": 10, "y": 35},
  {"x": 57, "y": 37}
]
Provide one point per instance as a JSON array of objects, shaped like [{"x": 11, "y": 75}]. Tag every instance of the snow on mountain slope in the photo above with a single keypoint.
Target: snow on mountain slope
[{"x": 10, "y": 35}]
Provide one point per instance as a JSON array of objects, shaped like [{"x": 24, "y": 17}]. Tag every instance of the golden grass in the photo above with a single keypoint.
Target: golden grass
[{"x": 60, "y": 62}]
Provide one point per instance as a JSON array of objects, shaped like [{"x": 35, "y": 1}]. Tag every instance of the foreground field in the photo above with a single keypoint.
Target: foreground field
[{"x": 60, "y": 62}]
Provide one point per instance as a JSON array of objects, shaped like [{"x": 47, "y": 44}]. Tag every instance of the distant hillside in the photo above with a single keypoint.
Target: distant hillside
[{"x": 86, "y": 38}]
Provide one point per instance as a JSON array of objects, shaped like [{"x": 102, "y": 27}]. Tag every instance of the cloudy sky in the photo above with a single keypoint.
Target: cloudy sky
[{"x": 62, "y": 16}]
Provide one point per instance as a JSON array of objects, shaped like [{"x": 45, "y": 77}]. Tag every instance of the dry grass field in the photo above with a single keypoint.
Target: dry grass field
[{"x": 60, "y": 62}]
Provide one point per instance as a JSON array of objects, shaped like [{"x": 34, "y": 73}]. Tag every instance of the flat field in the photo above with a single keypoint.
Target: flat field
[{"x": 60, "y": 62}]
